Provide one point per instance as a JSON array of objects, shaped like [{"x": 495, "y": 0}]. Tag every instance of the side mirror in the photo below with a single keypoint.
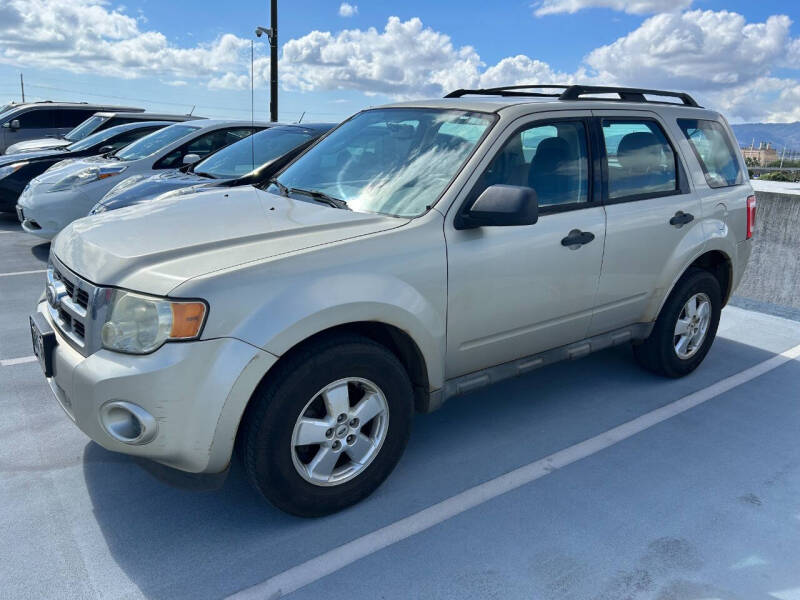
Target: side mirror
[
  {"x": 13, "y": 125},
  {"x": 501, "y": 205},
  {"x": 190, "y": 159},
  {"x": 105, "y": 149}
]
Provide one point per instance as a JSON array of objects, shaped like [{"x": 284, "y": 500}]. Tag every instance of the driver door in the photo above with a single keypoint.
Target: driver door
[{"x": 517, "y": 291}]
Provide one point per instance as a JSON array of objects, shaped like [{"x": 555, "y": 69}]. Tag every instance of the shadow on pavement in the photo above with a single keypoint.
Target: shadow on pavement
[{"x": 176, "y": 543}]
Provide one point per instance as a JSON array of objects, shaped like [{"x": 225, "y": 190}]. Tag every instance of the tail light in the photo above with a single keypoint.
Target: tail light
[{"x": 751, "y": 216}]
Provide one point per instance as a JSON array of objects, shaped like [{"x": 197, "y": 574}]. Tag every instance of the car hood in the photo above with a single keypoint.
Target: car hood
[
  {"x": 156, "y": 246},
  {"x": 40, "y": 144},
  {"x": 146, "y": 188}
]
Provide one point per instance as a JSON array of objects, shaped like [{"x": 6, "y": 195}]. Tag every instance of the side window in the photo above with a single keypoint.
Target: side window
[
  {"x": 714, "y": 151},
  {"x": 69, "y": 118},
  {"x": 128, "y": 137},
  {"x": 552, "y": 159},
  {"x": 640, "y": 159},
  {"x": 203, "y": 146},
  {"x": 37, "y": 119}
]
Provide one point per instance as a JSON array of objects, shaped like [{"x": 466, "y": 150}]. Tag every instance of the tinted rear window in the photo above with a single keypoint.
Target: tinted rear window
[{"x": 714, "y": 151}]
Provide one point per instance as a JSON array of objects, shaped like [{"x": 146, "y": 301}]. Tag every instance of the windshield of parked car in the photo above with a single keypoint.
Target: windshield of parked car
[
  {"x": 150, "y": 144},
  {"x": 84, "y": 129},
  {"x": 250, "y": 153},
  {"x": 394, "y": 161},
  {"x": 95, "y": 138}
]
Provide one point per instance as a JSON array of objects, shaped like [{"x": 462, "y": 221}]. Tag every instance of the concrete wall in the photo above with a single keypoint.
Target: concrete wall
[{"x": 773, "y": 273}]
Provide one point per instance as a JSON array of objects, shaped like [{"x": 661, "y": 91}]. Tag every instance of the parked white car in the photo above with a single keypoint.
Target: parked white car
[
  {"x": 417, "y": 252},
  {"x": 68, "y": 190}
]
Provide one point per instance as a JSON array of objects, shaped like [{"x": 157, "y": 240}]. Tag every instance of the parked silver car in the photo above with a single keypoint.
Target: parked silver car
[
  {"x": 68, "y": 190},
  {"x": 419, "y": 251}
]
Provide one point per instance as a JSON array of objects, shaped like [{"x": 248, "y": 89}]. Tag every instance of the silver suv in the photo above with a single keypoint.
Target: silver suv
[{"x": 419, "y": 251}]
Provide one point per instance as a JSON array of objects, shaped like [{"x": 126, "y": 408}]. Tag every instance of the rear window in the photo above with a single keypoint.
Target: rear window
[{"x": 714, "y": 151}]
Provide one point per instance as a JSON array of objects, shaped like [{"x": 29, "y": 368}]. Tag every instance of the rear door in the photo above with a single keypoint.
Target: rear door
[
  {"x": 651, "y": 213},
  {"x": 517, "y": 291}
]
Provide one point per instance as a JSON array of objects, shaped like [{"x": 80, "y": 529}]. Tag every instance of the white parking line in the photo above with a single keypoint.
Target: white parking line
[
  {"x": 8, "y": 362},
  {"x": 23, "y": 273},
  {"x": 333, "y": 560}
]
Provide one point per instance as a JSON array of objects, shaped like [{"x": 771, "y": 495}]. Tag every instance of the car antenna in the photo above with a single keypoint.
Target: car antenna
[
  {"x": 191, "y": 111},
  {"x": 300, "y": 120}
]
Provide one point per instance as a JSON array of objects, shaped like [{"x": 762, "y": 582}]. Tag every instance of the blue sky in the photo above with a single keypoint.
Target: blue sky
[{"x": 740, "y": 57}]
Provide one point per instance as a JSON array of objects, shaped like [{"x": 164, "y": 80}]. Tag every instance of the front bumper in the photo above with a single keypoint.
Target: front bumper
[{"x": 195, "y": 391}]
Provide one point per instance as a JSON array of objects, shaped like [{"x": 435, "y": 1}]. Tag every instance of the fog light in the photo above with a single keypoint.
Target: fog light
[{"x": 128, "y": 423}]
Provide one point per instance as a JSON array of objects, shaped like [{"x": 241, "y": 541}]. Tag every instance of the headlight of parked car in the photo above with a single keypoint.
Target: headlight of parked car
[
  {"x": 138, "y": 324},
  {"x": 85, "y": 176},
  {"x": 9, "y": 169}
]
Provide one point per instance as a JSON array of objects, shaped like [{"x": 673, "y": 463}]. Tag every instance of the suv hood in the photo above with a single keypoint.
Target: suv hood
[
  {"x": 156, "y": 246},
  {"x": 40, "y": 144}
]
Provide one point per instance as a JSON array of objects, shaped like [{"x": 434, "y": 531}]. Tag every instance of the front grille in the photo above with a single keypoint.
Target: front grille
[{"x": 70, "y": 302}]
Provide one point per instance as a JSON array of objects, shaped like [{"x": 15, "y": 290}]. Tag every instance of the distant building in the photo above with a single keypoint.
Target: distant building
[{"x": 763, "y": 155}]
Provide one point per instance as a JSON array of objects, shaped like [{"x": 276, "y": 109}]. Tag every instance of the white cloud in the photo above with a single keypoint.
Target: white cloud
[
  {"x": 718, "y": 55},
  {"x": 348, "y": 10},
  {"x": 404, "y": 60},
  {"x": 636, "y": 7},
  {"x": 88, "y": 36}
]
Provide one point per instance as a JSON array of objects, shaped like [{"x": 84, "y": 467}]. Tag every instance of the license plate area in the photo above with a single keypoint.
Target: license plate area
[{"x": 44, "y": 342}]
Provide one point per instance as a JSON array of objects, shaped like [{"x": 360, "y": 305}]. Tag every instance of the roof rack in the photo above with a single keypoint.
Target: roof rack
[
  {"x": 576, "y": 92},
  {"x": 509, "y": 90}
]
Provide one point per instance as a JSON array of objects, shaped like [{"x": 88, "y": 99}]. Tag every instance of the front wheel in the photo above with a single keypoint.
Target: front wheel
[
  {"x": 328, "y": 426},
  {"x": 685, "y": 328}
]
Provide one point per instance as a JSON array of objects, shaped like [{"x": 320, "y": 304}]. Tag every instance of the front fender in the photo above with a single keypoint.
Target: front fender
[{"x": 307, "y": 308}]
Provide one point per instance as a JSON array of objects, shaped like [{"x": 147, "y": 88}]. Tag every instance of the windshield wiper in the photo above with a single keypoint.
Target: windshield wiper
[
  {"x": 283, "y": 189},
  {"x": 321, "y": 197},
  {"x": 204, "y": 174}
]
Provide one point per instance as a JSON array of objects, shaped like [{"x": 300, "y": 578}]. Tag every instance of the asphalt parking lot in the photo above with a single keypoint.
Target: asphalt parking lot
[{"x": 697, "y": 500}]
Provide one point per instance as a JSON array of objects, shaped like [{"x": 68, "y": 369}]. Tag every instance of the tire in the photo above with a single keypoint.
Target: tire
[
  {"x": 658, "y": 353},
  {"x": 270, "y": 428}
]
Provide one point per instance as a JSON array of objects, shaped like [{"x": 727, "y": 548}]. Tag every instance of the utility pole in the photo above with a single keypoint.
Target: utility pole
[
  {"x": 272, "y": 36},
  {"x": 22, "y": 87}
]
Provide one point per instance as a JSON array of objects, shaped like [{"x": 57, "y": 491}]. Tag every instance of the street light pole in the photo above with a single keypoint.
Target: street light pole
[
  {"x": 272, "y": 36},
  {"x": 273, "y": 63}
]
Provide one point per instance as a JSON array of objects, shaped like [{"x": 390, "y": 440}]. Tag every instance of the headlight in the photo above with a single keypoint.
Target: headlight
[
  {"x": 85, "y": 176},
  {"x": 139, "y": 324},
  {"x": 9, "y": 169}
]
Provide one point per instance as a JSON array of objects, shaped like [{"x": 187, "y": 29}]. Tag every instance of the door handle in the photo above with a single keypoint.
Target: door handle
[
  {"x": 577, "y": 238},
  {"x": 680, "y": 219}
]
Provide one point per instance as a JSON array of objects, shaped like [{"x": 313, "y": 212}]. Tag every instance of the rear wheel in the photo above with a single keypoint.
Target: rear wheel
[
  {"x": 328, "y": 426},
  {"x": 685, "y": 328}
]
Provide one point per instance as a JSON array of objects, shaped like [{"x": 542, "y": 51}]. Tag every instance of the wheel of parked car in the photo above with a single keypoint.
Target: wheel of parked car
[
  {"x": 328, "y": 427},
  {"x": 685, "y": 328}
]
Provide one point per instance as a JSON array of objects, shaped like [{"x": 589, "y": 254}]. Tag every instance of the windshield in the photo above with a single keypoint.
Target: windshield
[
  {"x": 95, "y": 138},
  {"x": 150, "y": 144},
  {"x": 394, "y": 161},
  {"x": 250, "y": 153},
  {"x": 6, "y": 107},
  {"x": 84, "y": 129}
]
